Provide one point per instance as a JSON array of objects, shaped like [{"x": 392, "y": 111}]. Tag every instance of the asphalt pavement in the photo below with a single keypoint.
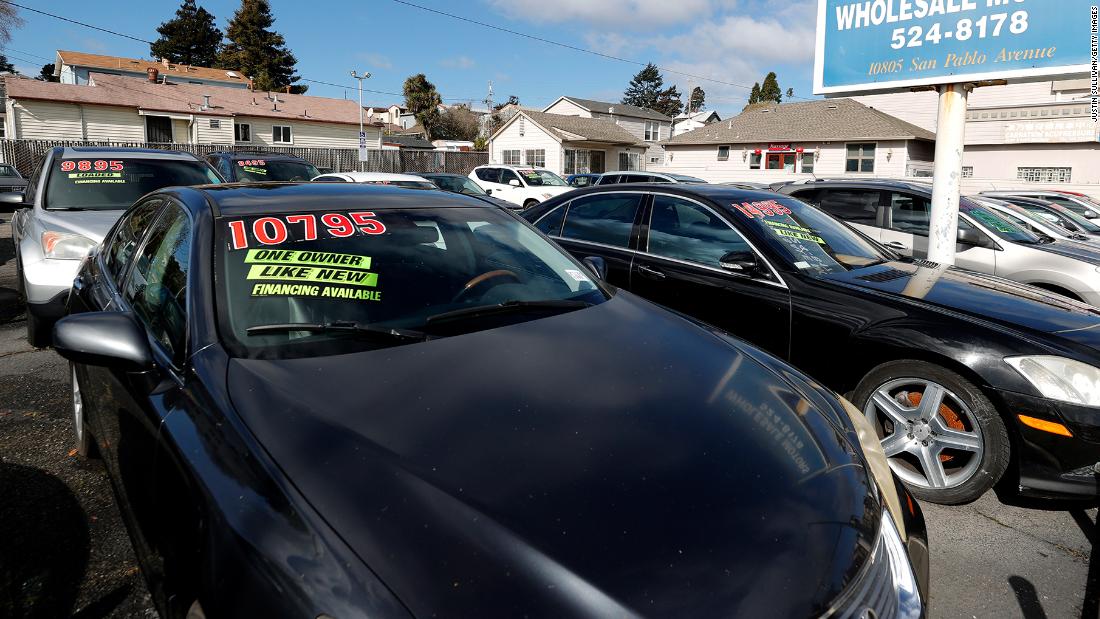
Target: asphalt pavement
[{"x": 64, "y": 550}]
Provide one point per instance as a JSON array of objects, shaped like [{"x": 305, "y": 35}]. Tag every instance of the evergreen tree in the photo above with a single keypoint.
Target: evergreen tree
[
  {"x": 5, "y": 66},
  {"x": 754, "y": 96},
  {"x": 770, "y": 90},
  {"x": 189, "y": 38},
  {"x": 423, "y": 100},
  {"x": 258, "y": 51},
  {"x": 790, "y": 93},
  {"x": 698, "y": 99},
  {"x": 645, "y": 87},
  {"x": 668, "y": 102},
  {"x": 46, "y": 74}
]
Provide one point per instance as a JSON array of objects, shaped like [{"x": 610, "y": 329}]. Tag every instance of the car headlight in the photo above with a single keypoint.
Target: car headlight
[
  {"x": 886, "y": 585},
  {"x": 547, "y": 196},
  {"x": 1060, "y": 379},
  {"x": 65, "y": 246}
]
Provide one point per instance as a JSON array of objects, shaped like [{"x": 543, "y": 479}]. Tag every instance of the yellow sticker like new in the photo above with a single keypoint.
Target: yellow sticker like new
[{"x": 279, "y": 272}]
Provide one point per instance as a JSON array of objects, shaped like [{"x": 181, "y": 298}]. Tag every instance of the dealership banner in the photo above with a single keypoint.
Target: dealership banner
[{"x": 872, "y": 45}]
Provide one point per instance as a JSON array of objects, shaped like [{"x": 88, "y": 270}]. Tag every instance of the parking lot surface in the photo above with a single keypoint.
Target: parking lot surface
[{"x": 64, "y": 551}]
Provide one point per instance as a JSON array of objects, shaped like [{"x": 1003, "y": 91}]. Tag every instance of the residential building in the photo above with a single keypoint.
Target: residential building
[
  {"x": 822, "y": 138},
  {"x": 566, "y": 144},
  {"x": 689, "y": 122},
  {"x": 648, "y": 126},
  {"x": 1019, "y": 135},
  {"x": 387, "y": 114},
  {"x": 124, "y": 109},
  {"x": 76, "y": 67}
]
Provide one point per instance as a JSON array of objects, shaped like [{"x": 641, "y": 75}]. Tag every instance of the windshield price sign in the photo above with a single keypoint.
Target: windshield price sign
[{"x": 888, "y": 44}]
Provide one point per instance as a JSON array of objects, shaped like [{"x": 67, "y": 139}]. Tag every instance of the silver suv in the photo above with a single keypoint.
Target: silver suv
[
  {"x": 896, "y": 214},
  {"x": 71, "y": 201}
]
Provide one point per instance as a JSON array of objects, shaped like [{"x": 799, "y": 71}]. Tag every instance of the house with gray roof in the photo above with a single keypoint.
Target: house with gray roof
[
  {"x": 566, "y": 144},
  {"x": 648, "y": 126},
  {"x": 824, "y": 138}
]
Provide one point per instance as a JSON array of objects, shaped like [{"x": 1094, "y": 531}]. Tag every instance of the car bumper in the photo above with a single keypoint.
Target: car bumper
[
  {"x": 1053, "y": 465},
  {"x": 45, "y": 279},
  {"x": 916, "y": 541}
]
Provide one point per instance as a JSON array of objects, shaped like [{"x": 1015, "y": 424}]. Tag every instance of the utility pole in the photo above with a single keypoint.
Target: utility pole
[
  {"x": 362, "y": 133},
  {"x": 946, "y": 180}
]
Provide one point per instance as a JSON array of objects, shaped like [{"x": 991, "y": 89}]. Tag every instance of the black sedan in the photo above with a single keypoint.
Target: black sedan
[
  {"x": 958, "y": 371},
  {"x": 345, "y": 401}
]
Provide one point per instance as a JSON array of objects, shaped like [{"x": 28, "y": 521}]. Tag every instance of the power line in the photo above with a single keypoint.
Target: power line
[
  {"x": 73, "y": 21},
  {"x": 568, "y": 46}
]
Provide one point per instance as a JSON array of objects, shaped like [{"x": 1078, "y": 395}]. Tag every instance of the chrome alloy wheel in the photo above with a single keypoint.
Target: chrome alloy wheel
[{"x": 930, "y": 435}]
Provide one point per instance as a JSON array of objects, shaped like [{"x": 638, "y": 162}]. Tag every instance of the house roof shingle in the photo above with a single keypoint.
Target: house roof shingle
[
  {"x": 577, "y": 128},
  {"x": 188, "y": 99},
  {"x": 603, "y": 107},
  {"x": 825, "y": 120},
  {"x": 121, "y": 63}
]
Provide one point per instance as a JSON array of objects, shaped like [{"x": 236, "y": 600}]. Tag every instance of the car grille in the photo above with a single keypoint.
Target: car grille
[
  {"x": 926, "y": 263},
  {"x": 885, "y": 276}
]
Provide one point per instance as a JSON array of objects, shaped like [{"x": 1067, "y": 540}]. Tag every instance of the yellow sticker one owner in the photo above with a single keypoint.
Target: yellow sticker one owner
[
  {"x": 326, "y": 275},
  {"x": 316, "y": 258}
]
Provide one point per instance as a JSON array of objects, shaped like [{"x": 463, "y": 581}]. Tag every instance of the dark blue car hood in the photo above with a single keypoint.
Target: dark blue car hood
[
  {"x": 985, "y": 297},
  {"x": 608, "y": 462}
]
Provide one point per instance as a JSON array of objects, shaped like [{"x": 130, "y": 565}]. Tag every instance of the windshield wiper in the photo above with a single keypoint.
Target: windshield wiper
[
  {"x": 507, "y": 307},
  {"x": 342, "y": 326}
]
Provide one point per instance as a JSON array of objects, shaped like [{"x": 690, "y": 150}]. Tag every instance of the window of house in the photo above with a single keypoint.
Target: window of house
[
  {"x": 754, "y": 161},
  {"x": 511, "y": 157},
  {"x": 652, "y": 131},
  {"x": 1045, "y": 175},
  {"x": 723, "y": 153},
  {"x": 536, "y": 157},
  {"x": 215, "y": 123},
  {"x": 968, "y": 171},
  {"x": 630, "y": 161},
  {"x": 280, "y": 134},
  {"x": 242, "y": 132},
  {"x": 807, "y": 163},
  {"x": 860, "y": 158},
  {"x": 655, "y": 160},
  {"x": 606, "y": 219}
]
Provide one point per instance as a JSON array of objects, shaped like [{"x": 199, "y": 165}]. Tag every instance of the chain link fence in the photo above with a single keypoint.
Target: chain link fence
[{"x": 25, "y": 154}]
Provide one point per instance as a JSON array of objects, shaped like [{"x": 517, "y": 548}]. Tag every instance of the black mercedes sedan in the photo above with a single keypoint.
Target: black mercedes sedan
[
  {"x": 961, "y": 373},
  {"x": 323, "y": 400}
]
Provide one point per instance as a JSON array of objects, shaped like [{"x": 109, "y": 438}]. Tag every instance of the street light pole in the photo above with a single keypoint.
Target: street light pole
[{"x": 362, "y": 134}]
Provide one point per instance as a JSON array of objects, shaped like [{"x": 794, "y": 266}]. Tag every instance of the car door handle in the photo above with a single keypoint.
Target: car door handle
[
  {"x": 651, "y": 272},
  {"x": 896, "y": 245}
]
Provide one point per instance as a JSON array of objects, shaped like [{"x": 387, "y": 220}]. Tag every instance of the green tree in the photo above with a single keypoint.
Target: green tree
[
  {"x": 191, "y": 37},
  {"x": 512, "y": 100},
  {"x": 790, "y": 93},
  {"x": 423, "y": 100},
  {"x": 481, "y": 143},
  {"x": 669, "y": 102},
  {"x": 769, "y": 90},
  {"x": 46, "y": 74},
  {"x": 258, "y": 51},
  {"x": 5, "y": 66},
  {"x": 754, "y": 96},
  {"x": 645, "y": 87},
  {"x": 697, "y": 101}
]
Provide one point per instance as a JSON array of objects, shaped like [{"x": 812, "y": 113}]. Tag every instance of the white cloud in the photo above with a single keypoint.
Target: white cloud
[
  {"x": 625, "y": 14},
  {"x": 375, "y": 61},
  {"x": 458, "y": 62}
]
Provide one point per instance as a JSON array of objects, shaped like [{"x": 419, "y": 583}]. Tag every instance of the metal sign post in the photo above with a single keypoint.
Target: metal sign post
[
  {"x": 944, "y": 220},
  {"x": 362, "y": 134}
]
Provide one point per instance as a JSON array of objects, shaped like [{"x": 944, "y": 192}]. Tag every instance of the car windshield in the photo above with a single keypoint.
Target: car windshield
[
  {"x": 536, "y": 178},
  {"x": 458, "y": 184},
  {"x": 1082, "y": 222},
  {"x": 810, "y": 240},
  {"x": 259, "y": 170},
  {"x": 437, "y": 271},
  {"x": 7, "y": 171},
  {"x": 114, "y": 184},
  {"x": 998, "y": 225}
]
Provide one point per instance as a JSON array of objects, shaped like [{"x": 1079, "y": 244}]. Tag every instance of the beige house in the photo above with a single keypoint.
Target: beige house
[
  {"x": 826, "y": 138},
  {"x": 75, "y": 68},
  {"x": 565, "y": 144},
  {"x": 124, "y": 109},
  {"x": 647, "y": 126}
]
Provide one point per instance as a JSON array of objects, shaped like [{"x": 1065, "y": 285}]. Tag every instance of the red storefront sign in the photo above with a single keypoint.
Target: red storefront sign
[{"x": 779, "y": 147}]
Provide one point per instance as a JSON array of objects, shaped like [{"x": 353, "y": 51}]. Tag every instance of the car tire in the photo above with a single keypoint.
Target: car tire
[
  {"x": 952, "y": 449},
  {"x": 85, "y": 444},
  {"x": 530, "y": 203}
]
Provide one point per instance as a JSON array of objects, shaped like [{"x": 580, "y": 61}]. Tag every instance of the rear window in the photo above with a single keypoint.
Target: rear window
[
  {"x": 259, "y": 170},
  {"x": 114, "y": 184}
]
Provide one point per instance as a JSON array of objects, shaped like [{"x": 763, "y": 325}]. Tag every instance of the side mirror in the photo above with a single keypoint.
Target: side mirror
[
  {"x": 974, "y": 238},
  {"x": 11, "y": 197},
  {"x": 742, "y": 262},
  {"x": 514, "y": 182},
  {"x": 108, "y": 339},
  {"x": 597, "y": 265}
]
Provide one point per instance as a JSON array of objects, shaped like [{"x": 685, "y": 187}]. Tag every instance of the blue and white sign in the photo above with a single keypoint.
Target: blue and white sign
[{"x": 870, "y": 45}]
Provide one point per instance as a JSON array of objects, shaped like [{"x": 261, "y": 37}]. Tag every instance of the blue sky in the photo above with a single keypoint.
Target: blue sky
[{"x": 736, "y": 41}]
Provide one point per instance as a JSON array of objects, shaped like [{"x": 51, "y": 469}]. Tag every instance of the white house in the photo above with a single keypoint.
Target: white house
[
  {"x": 387, "y": 114},
  {"x": 1016, "y": 135},
  {"x": 566, "y": 144},
  {"x": 689, "y": 122},
  {"x": 123, "y": 109},
  {"x": 75, "y": 67},
  {"x": 648, "y": 126},
  {"x": 823, "y": 138}
]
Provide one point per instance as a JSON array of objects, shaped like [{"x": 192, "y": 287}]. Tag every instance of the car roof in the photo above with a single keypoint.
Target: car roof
[
  {"x": 67, "y": 152},
  {"x": 362, "y": 177},
  {"x": 722, "y": 194},
  {"x": 246, "y": 199}
]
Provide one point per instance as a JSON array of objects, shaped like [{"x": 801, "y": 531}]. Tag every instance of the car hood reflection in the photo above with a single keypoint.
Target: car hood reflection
[{"x": 611, "y": 461}]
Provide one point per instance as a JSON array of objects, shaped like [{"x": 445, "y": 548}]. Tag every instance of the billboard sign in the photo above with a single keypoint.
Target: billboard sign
[{"x": 870, "y": 45}]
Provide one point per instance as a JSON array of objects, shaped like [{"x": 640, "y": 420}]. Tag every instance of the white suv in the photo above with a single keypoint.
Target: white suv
[{"x": 522, "y": 185}]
